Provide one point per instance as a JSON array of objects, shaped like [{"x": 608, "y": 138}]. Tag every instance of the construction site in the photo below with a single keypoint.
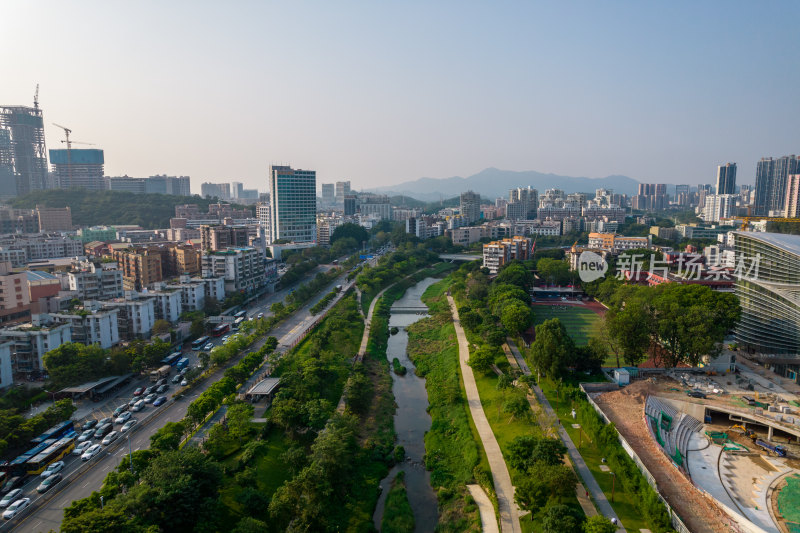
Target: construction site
[
  {"x": 23, "y": 155},
  {"x": 723, "y": 451}
]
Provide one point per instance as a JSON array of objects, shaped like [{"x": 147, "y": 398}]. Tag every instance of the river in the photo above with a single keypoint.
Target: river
[{"x": 411, "y": 419}]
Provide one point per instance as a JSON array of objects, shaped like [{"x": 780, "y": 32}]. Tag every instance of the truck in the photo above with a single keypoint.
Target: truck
[
  {"x": 162, "y": 372},
  {"x": 183, "y": 363},
  {"x": 774, "y": 449}
]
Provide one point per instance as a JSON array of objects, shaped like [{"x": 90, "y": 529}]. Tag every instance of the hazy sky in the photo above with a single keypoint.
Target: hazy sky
[{"x": 383, "y": 92}]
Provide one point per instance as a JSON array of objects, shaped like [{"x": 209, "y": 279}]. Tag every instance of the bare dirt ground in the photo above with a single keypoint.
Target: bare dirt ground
[{"x": 625, "y": 408}]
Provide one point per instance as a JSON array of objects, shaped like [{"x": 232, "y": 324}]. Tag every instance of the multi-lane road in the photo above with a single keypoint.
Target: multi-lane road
[{"x": 81, "y": 479}]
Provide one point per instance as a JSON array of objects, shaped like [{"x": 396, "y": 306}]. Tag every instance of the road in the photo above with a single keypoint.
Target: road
[{"x": 81, "y": 484}]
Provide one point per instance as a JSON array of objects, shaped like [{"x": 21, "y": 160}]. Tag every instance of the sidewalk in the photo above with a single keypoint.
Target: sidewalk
[
  {"x": 509, "y": 515},
  {"x": 601, "y": 502}
]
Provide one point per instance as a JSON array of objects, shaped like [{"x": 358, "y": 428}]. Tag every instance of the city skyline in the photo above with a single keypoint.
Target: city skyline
[{"x": 385, "y": 94}]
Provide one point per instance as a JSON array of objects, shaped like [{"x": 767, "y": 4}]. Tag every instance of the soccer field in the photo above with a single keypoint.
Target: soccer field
[{"x": 581, "y": 323}]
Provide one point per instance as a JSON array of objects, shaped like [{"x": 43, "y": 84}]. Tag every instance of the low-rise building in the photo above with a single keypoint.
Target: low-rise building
[
  {"x": 168, "y": 304},
  {"x": 91, "y": 326},
  {"x": 136, "y": 315},
  {"x": 496, "y": 254},
  {"x": 243, "y": 269},
  {"x": 192, "y": 292},
  {"x": 29, "y": 342},
  {"x": 618, "y": 243},
  {"x": 15, "y": 300},
  {"x": 95, "y": 281}
]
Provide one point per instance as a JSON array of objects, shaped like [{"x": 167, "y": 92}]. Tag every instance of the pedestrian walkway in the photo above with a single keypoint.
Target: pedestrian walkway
[
  {"x": 509, "y": 514},
  {"x": 601, "y": 502},
  {"x": 485, "y": 507}
]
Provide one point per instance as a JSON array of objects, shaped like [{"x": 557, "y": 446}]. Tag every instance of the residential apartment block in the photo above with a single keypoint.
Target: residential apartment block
[{"x": 498, "y": 253}]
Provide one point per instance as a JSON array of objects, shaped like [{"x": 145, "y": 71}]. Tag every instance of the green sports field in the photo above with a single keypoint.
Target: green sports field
[{"x": 581, "y": 323}]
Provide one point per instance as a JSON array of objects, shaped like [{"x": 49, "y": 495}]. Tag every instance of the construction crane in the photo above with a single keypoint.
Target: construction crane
[
  {"x": 67, "y": 131},
  {"x": 746, "y": 220},
  {"x": 36, "y": 98}
]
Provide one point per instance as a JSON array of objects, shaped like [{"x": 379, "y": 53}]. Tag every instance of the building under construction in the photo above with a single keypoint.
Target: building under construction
[
  {"x": 78, "y": 168},
  {"x": 23, "y": 156}
]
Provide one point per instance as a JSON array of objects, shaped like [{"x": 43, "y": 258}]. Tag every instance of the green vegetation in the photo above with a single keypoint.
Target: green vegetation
[
  {"x": 397, "y": 515},
  {"x": 674, "y": 323},
  {"x": 454, "y": 455},
  {"x": 391, "y": 268},
  {"x": 398, "y": 368},
  {"x": 322, "y": 304},
  {"x": 16, "y": 430},
  {"x": 92, "y": 208},
  {"x": 581, "y": 323},
  {"x": 635, "y": 502}
]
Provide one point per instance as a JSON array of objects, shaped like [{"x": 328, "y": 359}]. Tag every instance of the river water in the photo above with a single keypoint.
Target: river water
[{"x": 411, "y": 419}]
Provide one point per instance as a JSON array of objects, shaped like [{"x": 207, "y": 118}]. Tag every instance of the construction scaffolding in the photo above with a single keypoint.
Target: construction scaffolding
[{"x": 23, "y": 155}]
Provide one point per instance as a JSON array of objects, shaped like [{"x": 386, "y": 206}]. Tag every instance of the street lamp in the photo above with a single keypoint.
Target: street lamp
[
  {"x": 613, "y": 484},
  {"x": 130, "y": 453}
]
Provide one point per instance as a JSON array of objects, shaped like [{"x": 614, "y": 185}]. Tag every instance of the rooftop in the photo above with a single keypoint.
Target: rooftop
[{"x": 789, "y": 243}]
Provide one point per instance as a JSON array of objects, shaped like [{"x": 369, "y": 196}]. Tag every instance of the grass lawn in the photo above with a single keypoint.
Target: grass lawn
[
  {"x": 581, "y": 324},
  {"x": 624, "y": 503}
]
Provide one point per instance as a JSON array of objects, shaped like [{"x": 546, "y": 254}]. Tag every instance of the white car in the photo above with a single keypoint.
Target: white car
[
  {"x": 138, "y": 406},
  {"x": 15, "y": 508},
  {"x": 93, "y": 450},
  {"x": 111, "y": 437},
  {"x": 208, "y": 347},
  {"x": 81, "y": 447},
  {"x": 128, "y": 425},
  {"x": 51, "y": 469},
  {"x": 86, "y": 436},
  {"x": 123, "y": 417},
  {"x": 184, "y": 382},
  {"x": 10, "y": 498}
]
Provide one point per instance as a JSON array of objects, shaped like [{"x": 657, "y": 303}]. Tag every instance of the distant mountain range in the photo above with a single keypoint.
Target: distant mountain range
[{"x": 493, "y": 182}]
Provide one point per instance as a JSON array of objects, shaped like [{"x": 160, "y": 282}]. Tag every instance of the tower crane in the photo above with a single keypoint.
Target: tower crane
[
  {"x": 36, "y": 98},
  {"x": 67, "y": 131}
]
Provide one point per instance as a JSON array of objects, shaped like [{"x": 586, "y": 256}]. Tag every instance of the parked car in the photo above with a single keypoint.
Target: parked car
[
  {"x": 176, "y": 379},
  {"x": 48, "y": 483},
  {"x": 89, "y": 424},
  {"x": 103, "y": 430},
  {"x": 184, "y": 382},
  {"x": 128, "y": 425},
  {"x": 121, "y": 409},
  {"x": 15, "y": 508},
  {"x": 93, "y": 450},
  {"x": 10, "y": 498},
  {"x": 106, "y": 420},
  {"x": 133, "y": 401},
  {"x": 260, "y": 315},
  {"x": 81, "y": 447},
  {"x": 86, "y": 436},
  {"x": 13, "y": 483},
  {"x": 111, "y": 437},
  {"x": 696, "y": 394},
  {"x": 150, "y": 398},
  {"x": 162, "y": 389},
  {"x": 139, "y": 391},
  {"x": 160, "y": 382},
  {"x": 138, "y": 406},
  {"x": 51, "y": 469},
  {"x": 123, "y": 417},
  {"x": 208, "y": 347},
  {"x": 161, "y": 400},
  {"x": 150, "y": 389}
]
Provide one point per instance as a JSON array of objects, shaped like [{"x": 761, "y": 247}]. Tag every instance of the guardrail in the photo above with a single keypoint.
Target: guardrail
[{"x": 78, "y": 472}]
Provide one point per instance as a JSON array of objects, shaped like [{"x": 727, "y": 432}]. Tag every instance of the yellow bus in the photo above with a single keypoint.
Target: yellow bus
[{"x": 51, "y": 454}]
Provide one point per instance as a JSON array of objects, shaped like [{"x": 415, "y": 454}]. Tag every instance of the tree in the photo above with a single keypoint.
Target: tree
[
  {"x": 161, "y": 326},
  {"x": 527, "y": 450},
  {"x": 552, "y": 349},
  {"x": 531, "y": 494},
  {"x": 239, "y": 418},
  {"x": 515, "y": 273},
  {"x": 590, "y": 358},
  {"x": 250, "y": 525},
  {"x": 559, "y": 519},
  {"x": 516, "y": 317},
  {"x": 482, "y": 359},
  {"x": 349, "y": 230},
  {"x": 598, "y": 524},
  {"x": 470, "y": 319},
  {"x": 358, "y": 392},
  {"x": 555, "y": 271},
  {"x": 516, "y": 405},
  {"x": 168, "y": 437}
]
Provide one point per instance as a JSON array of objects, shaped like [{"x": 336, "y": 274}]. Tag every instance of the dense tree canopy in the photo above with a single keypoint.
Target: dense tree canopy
[
  {"x": 350, "y": 230},
  {"x": 553, "y": 348}
]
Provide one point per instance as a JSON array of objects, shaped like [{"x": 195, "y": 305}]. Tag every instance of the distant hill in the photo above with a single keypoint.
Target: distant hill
[
  {"x": 94, "y": 208},
  {"x": 493, "y": 182}
]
